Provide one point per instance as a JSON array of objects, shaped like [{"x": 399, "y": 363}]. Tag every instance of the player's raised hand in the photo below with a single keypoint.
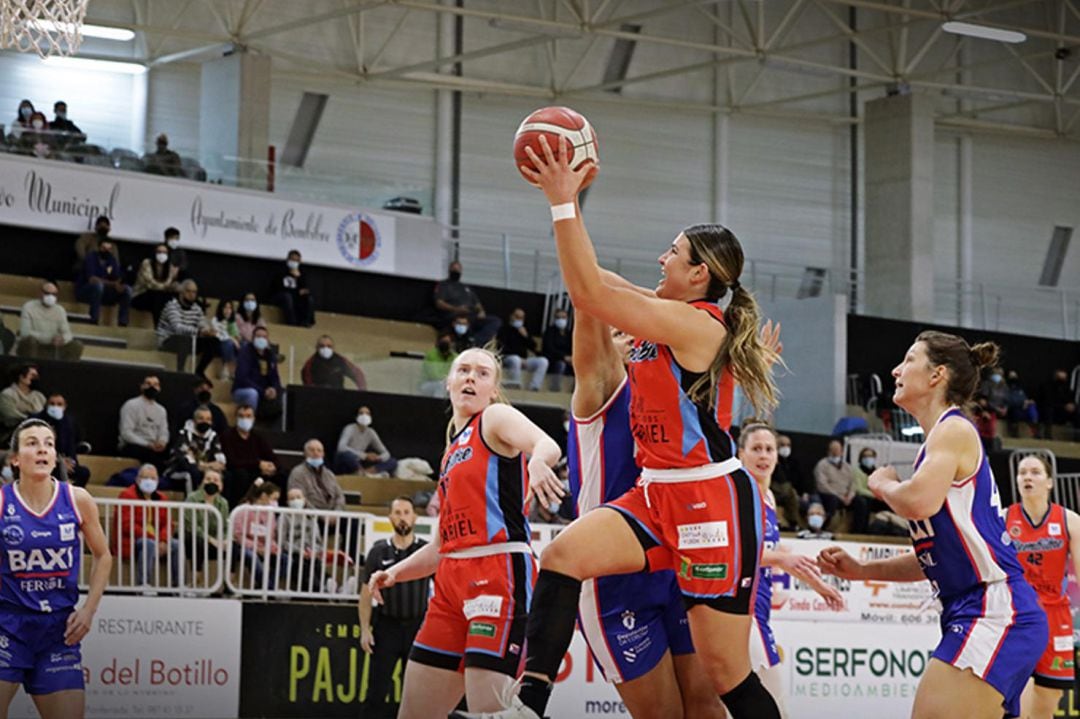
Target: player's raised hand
[
  {"x": 836, "y": 561},
  {"x": 553, "y": 173}
]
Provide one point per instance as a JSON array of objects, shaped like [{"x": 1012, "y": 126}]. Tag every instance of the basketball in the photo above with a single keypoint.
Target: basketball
[{"x": 556, "y": 122}]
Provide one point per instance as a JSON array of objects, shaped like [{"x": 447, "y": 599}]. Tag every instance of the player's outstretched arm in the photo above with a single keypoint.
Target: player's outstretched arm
[
  {"x": 421, "y": 563},
  {"x": 508, "y": 432},
  {"x": 598, "y": 368},
  {"x": 902, "y": 568}
]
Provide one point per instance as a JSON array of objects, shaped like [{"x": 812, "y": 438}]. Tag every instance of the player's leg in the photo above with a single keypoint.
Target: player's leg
[
  {"x": 946, "y": 692},
  {"x": 7, "y": 693},
  {"x": 487, "y": 690},
  {"x": 430, "y": 691},
  {"x": 698, "y": 696},
  {"x": 1038, "y": 702},
  {"x": 773, "y": 680},
  {"x": 66, "y": 704},
  {"x": 656, "y": 694}
]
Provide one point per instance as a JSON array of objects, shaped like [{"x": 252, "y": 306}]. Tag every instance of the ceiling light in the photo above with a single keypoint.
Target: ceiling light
[
  {"x": 99, "y": 31},
  {"x": 984, "y": 32},
  {"x": 83, "y": 63}
]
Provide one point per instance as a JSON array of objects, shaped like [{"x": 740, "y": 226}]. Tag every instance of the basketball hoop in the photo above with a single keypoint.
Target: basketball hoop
[{"x": 47, "y": 27}]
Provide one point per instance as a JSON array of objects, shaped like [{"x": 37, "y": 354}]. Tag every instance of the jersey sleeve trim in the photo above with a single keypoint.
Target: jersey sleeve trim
[
  {"x": 74, "y": 504},
  {"x": 605, "y": 406}
]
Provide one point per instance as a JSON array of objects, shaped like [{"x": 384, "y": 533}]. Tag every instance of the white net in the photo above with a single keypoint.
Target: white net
[{"x": 47, "y": 27}]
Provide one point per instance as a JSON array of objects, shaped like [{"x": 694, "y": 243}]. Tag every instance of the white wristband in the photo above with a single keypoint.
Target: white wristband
[{"x": 565, "y": 211}]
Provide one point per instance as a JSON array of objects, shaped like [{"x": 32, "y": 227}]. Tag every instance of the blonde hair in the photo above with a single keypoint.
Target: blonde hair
[
  {"x": 491, "y": 350},
  {"x": 742, "y": 353}
]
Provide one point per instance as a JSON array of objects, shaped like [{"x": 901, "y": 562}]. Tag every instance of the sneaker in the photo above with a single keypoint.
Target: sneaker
[{"x": 516, "y": 710}]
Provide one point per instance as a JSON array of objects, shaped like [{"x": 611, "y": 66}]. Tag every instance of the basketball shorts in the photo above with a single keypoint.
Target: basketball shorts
[
  {"x": 33, "y": 653},
  {"x": 709, "y": 531},
  {"x": 477, "y": 616},
  {"x": 631, "y": 620},
  {"x": 1055, "y": 667},
  {"x": 763, "y": 650},
  {"x": 998, "y": 631}
]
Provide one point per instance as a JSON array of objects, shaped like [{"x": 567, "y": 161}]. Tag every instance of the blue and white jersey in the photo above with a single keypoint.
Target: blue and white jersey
[
  {"x": 39, "y": 564},
  {"x": 600, "y": 453},
  {"x": 770, "y": 540},
  {"x": 965, "y": 543}
]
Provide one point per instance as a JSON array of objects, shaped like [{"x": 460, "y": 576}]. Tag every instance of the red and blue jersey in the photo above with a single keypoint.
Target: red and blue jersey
[
  {"x": 1043, "y": 550},
  {"x": 671, "y": 430},
  {"x": 481, "y": 493},
  {"x": 39, "y": 566}
]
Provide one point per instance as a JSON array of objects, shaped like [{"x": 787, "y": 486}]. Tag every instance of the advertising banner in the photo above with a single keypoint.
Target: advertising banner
[{"x": 159, "y": 657}]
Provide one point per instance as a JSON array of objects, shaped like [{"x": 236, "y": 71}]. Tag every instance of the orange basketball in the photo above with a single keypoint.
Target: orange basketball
[{"x": 553, "y": 123}]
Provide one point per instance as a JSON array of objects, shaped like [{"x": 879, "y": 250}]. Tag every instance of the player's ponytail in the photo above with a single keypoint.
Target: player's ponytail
[
  {"x": 742, "y": 353},
  {"x": 965, "y": 363}
]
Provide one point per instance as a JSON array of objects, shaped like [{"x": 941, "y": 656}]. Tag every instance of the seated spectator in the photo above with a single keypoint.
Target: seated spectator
[
  {"x": 985, "y": 419},
  {"x": 248, "y": 317},
  {"x": 89, "y": 242},
  {"x": 69, "y": 133},
  {"x": 868, "y": 462},
  {"x": 1019, "y": 408},
  {"x": 228, "y": 336},
  {"x": 257, "y": 383},
  {"x": 996, "y": 391},
  {"x": 544, "y": 514},
  {"x": 7, "y": 472},
  {"x": 815, "y": 522},
  {"x": 784, "y": 487},
  {"x": 201, "y": 541},
  {"x": 202, "y": 396},
  {"x": 177, "y": 254},
  {"x": 255, "y": 530},
  {"x": 183, "y": 328},
  {"x": 788, "y": 469},
  {"x": 248, "y": 455},
  {"x": 436, "y": 366},
  {"x": 44, "y": 330},
  {"x": 163, "y": 161},
  {"x": 144, "y": 425},
  {"x": 292, "y": 294},
  {"x": 558, "y": 348},
  {"x": 303, "y": 540},
  {"x": 327, "y": 368},
  {"x": 67, "y": 438},
  {"x": 312, "y": 477},
  {"x": 37, "y": 140},
  {"x": 1057, "y": 403},
  {"x": 22, "y": 119},
  {"x": 145, "y": 535},
  {"x": 20, "y": 400},
  {"x": 517, "y": 344},
  {"x": 463, "y": 337},
  {"x": 835, "y": 483},
  {"x": 453, "y": 298},
  {"x": 360, "y": 446},
  {"x": 155, "y": 284},
  {"x": 102, "y": 283},
  {"x": 198, "y": 449}
]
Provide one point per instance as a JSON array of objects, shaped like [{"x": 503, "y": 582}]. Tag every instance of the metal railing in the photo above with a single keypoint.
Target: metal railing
[{"x": 1067, "y": 491}]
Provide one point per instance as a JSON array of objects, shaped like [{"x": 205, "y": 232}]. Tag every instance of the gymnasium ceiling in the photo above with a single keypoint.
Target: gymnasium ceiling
[{"x": 802, "y": 59}]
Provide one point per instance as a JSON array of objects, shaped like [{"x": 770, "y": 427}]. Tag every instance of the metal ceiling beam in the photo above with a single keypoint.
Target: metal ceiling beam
[
  {"x": 311, "y": 20},
  {"x": 461, "y": 57}
]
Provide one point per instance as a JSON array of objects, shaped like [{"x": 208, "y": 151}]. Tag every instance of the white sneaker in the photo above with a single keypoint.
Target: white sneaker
[{"x": 516, "y": 710}]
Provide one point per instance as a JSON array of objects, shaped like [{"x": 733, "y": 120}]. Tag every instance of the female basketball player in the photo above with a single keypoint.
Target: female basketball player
[
  {"x": 40, "y": 628},
  {"x": 472, "y": 638},
  {"x": 1046, "y": 536},
  {"x": 757, "y": 452},
  {"x": 993, "y": 629},
  {"x": 696, "y": 510}
]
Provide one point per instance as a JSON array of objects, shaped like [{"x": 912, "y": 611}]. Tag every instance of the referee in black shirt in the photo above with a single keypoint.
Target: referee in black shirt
[{"x": 389, "y": 631}]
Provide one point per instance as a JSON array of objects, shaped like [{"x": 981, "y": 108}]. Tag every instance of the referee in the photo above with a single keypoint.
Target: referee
[{"x": 389, "y": 631}]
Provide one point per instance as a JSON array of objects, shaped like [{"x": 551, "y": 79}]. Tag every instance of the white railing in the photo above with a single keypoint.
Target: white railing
[
  {"x": 1067, "y": 491},
  {"x": 185, "y": 558}
]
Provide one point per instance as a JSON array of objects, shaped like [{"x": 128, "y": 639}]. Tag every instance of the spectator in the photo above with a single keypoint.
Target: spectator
[
  {"x": 454, "y": 298},
  {"x": 67, "y": 438},
  {"x": 155, "y": 283},
  {"x": 44, "y": 330},
  {"x": 835, "y": 484},
  {"x": 202, "y": 389},
  {"x": 89, "y": 242},
  {"x": 163, "y": 161},
  {"x": 19, "y": 400},
  {"x": 144, "y": 425},
  {"x": 436, "y": 366},
  {"x": 146, "y": 533},
  {"x": 1019, "y": 408},
  {"x": 303, "y": 542},
  {"x": 292, "y": 294},
  {"x": 37, "y": 139},
  {"x": 102, "y": 283},
  {"x": 463, "y": 337},
  {"x": 69, "y": 132},
  {"x": 248, "y": 455},
  {"x": 319, "y": 485},
  {"x": 248, "y": 317},
  {"x": 228, "y": 336},
  {"x": 177, "y": 255},
  {"x": 558, "y": 348},
  {"x": 360, "y": 446},
  {"x": 545, "y": 514},
  {"x": 257, "y": 381},
  {"x": 201, "y": 542},
  {"x": 790, "y": 471},
  {"x": 198, "y": 449},
  {"x": 784, "y": 489},
  {"x": 985, "y": 419},
  {"x": 815, "y": 521},
  {"x": 255, "y": 530},
  {"x": 183, "y": 328},
  {"x": 868, "y": 462},
  {"x": 516, "y": 345},
  {"x": 22, "y": 118},
  {"x": 327, "y": 368},
  {"x": 1057, "y": 403},
  {"x": 7, "y": 473},
  {"x": 996, "y": 391}
]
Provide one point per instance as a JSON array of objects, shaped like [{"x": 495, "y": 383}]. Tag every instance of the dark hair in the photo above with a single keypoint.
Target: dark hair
[
  {"x": 1042, "y": 460},
  {"x": 102, "y": 218},
  {"x": 260, "y": 488},
  {"x": 219, "y": 313},
  {"x": 867, "y": 450},
  {"x": 294, "y": 252},
  {"x": 24, "y": 369},
  {"x": 255, "y": 316},
  {"x": 751, "y": 428},
  {"x": 402, "y": 498},
  {"x": 243, "y": 406},
  {"x": 171, "y": 232},
  {"x": 25, "y": 425},
  {"x": 964, "y": 362}
]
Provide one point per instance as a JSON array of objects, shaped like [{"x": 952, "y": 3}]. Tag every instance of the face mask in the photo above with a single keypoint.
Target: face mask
[
  {"x": 517, "y": 324},
  {"x": 173, "y": 243},
  {"x": 816, "y": 522},
  {"x": 38, "y": 124},
  {"x": 296, "y": 503},
  {"x": 554, "y": 507},
  {"x": 261, "y": 343},
  {"x": 244, "y": 424},
  {"x": 364, "y": 420},
  {"x": 104, "y": 254},
  {"x": 102, "y": 232},
  {"x": 48, "y": 300},
  {"x": 315, "y": 462},
  {"x": 836, "y": 460},
  {"x": 326, "y": 352},
  {"x": 995, "y": 378},
  {"x": 292, "y": 265},
  {"x": 460, "y": 330},
  {"x": 61, "y": 115},
  {"x": 25, "y": 112},
  {"x": 211, "y": 489},
  {"x": 868, "y": 463},
  {"x": 162, "y": 257},
  {"x": 455, "y": 276},
  {"x": 150, "y": 392},
  {"x": 148, "y": 485},
  {"x": 203, "y": 397},
  {"x": 35, "y": 384},
  {"x": 784, "y": 451},
  {"x": 55, "y": 411},
  {"x": 560, "y": 323},
  {"x": 7, "y": 473},
  {"x": 250, "y": 305},
  {"x": 566, "y": 426},
  {"x": 202, "y": 427}
]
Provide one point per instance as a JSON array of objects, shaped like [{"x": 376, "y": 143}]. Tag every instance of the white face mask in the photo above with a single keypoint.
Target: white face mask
[
  {"x": 244, "y": 424},
  {"x": 173, "y": 243},
  {"x": 261, "y": 343},
  {"x": 162, "y": 257},
  {"x": 55, "y": 411},
  {"x": 292, "y": 265},
  {"x": 250, "y": 305},
  {"x": 460, "y": 330},
  {"x": 364, "y": 420},
  {"x": 816, "y": 521},
  {"x": 297, "y": 503},
  {"x": 7, "y": 473},
  {"x": 148, "y": 485},
  {"x": 326, "y": 352},
  {"x": 784, "y": 451},
  {"x": 517, "y": 324},
  {"x": 38, "y": 124},
  {"x": 48, "y": 300},
  {"x": 560, "y": 323}
]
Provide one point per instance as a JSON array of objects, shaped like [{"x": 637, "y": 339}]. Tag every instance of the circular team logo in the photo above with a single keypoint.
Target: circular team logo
[
  {"x": 358, "y": 239},
  {"x": 13, "y": 534},
  {"x": 1015, "y": 530}
]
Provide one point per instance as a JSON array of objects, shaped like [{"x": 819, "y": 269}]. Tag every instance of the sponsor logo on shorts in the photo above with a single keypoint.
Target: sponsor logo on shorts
[
  {"x": 1058, "y": 664},
  {"x": 629, "y": 620},
  {"x": 67, "y": 532},
  {"x": 1054, "y": 529},
  {"x": 629, "y": 656},
  {"x": 689, "y": 570},
  {"x": 1063, "y": 644},
  {"x": 703, "y": 535},
  {"x": 697, "y": 505},
  {"x": 486, "y": 605},
  {"x": 481, "y": 629},
  {"x": 514, "y": 649},
  {"x": 4, "y": 641}
]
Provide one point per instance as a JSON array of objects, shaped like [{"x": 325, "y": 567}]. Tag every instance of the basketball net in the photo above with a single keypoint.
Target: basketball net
[{"x": 47, "y": 27}]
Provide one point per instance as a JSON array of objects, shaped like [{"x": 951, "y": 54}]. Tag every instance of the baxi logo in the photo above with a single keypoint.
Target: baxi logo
[{"x": 358, "y": 239}]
